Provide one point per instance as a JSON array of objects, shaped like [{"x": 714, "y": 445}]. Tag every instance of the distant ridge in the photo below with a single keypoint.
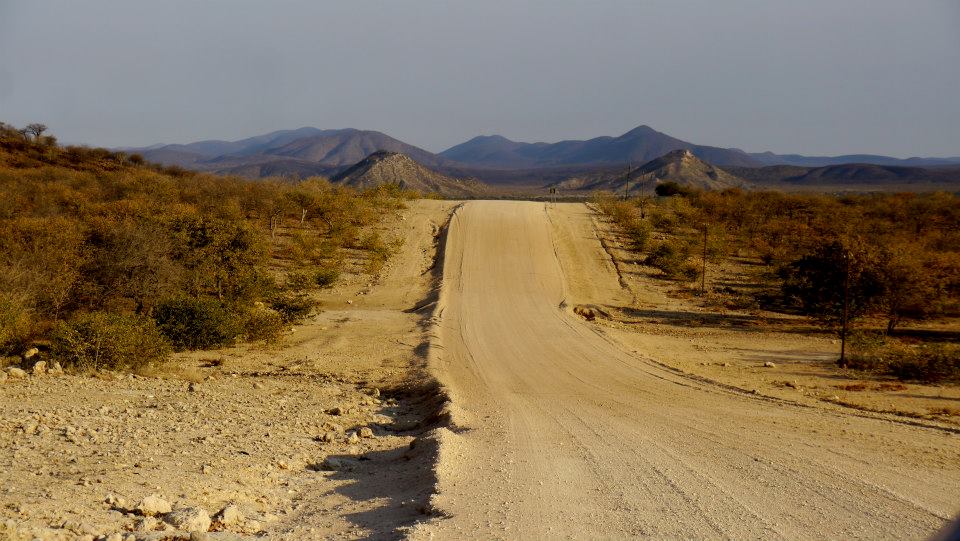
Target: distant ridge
[
  {"x": 310, "y": 151},
  {"x": 638, "y": 145}
]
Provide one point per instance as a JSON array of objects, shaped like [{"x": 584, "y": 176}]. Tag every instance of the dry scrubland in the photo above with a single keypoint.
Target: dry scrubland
[
  {"x": 770, "y": 314},
  {"x": 115, "y": 271},
  {"x": 189, "y": 353}
]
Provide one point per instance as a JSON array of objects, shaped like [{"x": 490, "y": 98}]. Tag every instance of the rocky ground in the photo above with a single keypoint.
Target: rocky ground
[{"x": 317, "y": 437}]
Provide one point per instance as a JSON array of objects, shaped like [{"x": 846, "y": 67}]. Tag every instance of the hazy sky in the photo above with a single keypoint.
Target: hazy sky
[{"x": 810, "y": 76}]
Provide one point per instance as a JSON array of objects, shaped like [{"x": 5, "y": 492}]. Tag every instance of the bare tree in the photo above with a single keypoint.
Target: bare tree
[{"x": 36, "y": 129}]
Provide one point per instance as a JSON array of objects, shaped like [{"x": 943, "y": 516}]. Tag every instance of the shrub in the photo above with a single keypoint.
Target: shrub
[
  {"x": 15, "y": 318},
  {"x": 638, "y": 232},
  {"x": 929, "y": 363},
  {"x": 671, "y": 258},
  {"x": 263, "y": 325},
  {"x": 196, "y": 323},
  {"x": 106, "y": 340},
  {"x": 298, "y": 281},
  {"x": 292, "y": 307},
  {"x": 326, "y": 276},
  {"x": 670, "y": 188}
]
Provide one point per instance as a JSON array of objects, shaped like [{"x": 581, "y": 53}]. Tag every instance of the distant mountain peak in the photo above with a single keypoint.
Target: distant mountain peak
[{"x": 394, "y": 168}]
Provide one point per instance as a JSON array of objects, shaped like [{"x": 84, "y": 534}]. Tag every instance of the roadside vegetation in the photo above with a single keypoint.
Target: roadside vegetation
[
  {"x": 107, "y": 261},
  {"x": 883, "y": 259}
]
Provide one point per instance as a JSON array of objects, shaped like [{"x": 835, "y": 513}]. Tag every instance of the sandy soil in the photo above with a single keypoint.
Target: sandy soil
[
  {"x": 249, "y": 426},
  {"x": 563, "y": 428}
]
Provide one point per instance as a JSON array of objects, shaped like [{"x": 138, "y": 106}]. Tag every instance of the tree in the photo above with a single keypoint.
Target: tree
[
  {"x": 916, "y": 283},
  {"x": 36, "y": 129},
  {"x": 835, "y": 283}
]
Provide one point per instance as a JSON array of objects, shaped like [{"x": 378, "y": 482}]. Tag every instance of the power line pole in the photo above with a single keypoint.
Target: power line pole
[
  {"x": 703, "y": 271},
  {"x": 846, "y": 309}
]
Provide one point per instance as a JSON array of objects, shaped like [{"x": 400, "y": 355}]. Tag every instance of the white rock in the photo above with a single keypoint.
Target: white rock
[
  {"x": 230, "y": 515},
  {"x": 366, "y": 432},
  {"x": 352, "y": 437},
  {"x": 153, "y": 505},
  {"x": 15, "y": 372},
  {"x": 190, "y": 519},
  {"x": 115, "y": 537},
  {"x": 56, "y": 368},
  {"x": 30, "y": 353},
  {"x": 769, "y": 364},
  {"x": 39, "y": 368}
]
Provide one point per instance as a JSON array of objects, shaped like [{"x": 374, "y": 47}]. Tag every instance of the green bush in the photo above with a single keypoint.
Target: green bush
[
  {"x": 327, "y": 275},
  {"x": 292, "y": 307},
  {"x": 929, "y": 363},
  {"x": 298, "y": 281},
  {"x": 672, "y": 258},
  {"x": 264, "y": 325},
  {"x": 670, "y": 188},
  {"x": 192, "y": 323},
  {"x": 107, "y": 340}
]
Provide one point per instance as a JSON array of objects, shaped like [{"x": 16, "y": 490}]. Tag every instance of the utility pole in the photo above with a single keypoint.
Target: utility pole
[
  {"x": 846, "y": 310},
  {"x": 703, "y": 271},
  {"x": 626, "y": 185}
]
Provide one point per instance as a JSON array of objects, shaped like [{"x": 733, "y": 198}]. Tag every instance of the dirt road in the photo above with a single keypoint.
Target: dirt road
[{"x": 560, "y": 431}]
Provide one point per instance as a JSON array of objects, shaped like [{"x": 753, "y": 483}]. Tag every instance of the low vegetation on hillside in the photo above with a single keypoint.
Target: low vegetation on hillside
[
  {"x": 111, "y": 262},
  {"x": 887, "y": 258}
]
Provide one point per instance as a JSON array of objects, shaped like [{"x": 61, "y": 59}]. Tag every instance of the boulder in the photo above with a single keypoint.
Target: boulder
[
  {"x": 230, "y": 515},
  {"x": 153, "y": 505},
  {"x": 190, "y": 519},
  {"x": 16, "y": 373},
  {"x": 39, "y": 368}
]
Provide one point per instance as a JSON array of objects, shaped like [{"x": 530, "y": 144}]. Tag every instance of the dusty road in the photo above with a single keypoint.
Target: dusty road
[{"x": 563, "y": 432}]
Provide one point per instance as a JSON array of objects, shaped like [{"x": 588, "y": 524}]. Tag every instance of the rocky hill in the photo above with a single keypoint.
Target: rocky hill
[
  {"x": 394, "y": 168},
  {"x": 680, "y": 166}
]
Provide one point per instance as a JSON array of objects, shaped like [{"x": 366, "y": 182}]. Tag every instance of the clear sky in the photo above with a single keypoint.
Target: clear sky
[{"x": 805, "y": 76}]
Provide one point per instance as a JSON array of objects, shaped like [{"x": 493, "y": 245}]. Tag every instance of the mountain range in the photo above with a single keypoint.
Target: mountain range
[{"x": 311, "y": 151}]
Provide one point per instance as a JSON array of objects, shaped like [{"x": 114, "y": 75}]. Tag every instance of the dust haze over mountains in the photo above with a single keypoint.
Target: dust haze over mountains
[{"x": 813, "y": 78}]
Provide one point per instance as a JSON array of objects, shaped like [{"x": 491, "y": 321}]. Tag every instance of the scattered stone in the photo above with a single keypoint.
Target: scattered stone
[
  {"x": 153, "y": 505},
  {"x": 352, "y": 437},
  {"x": 3, "y": 375},
  {"x": 205, "y": 469},
  {"x": 769, "y": 364},
  {"x": 39, "y": 368},
  {"x": 366, "y": 432},
  {"x": 257, "y": 385},
  {"x": 230, "y": 515},
  {"x": 375, "y": 392},
  {"x": 115, "y": 537},
  {"x": 725, "y": 365},
  {"x": 193, "y": 387},
  {"x": 190, "y": 519},
  {"x": 146, "y": 524},
  {"x": 337, "y": 410},
  {"x": 336, "y": 464},
  {"x": 56, "y": 368},
  {"x": 16, "y": 373},
  {"x": 29, "y": 354},
  {"x": 328, "y": 437},
  {"x": 199, "y": 536}
]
